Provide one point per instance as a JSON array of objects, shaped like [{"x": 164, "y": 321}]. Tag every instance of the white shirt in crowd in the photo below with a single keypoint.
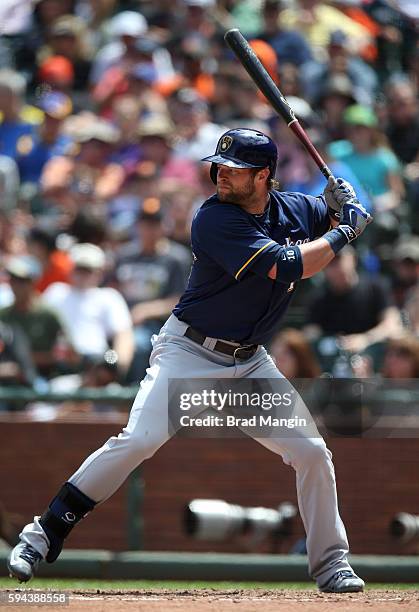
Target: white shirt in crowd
[{"x": 91, "y": 316}]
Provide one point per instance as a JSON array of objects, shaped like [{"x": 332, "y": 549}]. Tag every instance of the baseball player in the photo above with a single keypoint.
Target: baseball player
[{"x": 251, "y": 244}]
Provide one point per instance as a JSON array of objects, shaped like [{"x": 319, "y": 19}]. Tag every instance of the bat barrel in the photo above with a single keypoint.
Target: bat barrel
[{"x": 257, "y": 72}]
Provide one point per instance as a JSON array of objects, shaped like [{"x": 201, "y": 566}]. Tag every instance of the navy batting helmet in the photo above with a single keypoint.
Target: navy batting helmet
[{"x": 244, "y": 148}]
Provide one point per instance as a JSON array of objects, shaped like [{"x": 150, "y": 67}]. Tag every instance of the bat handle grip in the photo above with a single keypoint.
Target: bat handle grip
[
  {"x": 315, "y": 155},
  {"x": 326, "y": 171}
]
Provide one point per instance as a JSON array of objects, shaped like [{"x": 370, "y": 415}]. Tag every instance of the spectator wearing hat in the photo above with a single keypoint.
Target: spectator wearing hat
[
  {"x": 44, "y": 13},
  {"x": 156, "y": 133},
  {"x": 150, "y": 275},
  {"x": 337, "y": 94},
  {"x": 68, "y": 37},
  {"x": 14, "y": 131},
  {"x": 197, "y": 18},
  {"x": 366, "y": 153},
  {"x": 124, "y": 30},
  {"x": 42, "y": 328},
  {"x": 289, "y": 45},
  {"x": 48, "y": 140},
  {"x": 340, "y": 61},
  {"x": 405, "y": 269},
  {"x": 88, "y": 175},
  {"x": 96, "y": 317},
  {"x": 56, "y": 72}
]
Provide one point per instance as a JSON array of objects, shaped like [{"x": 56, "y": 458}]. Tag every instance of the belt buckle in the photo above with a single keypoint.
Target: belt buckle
[{"x": 250, "y": 349}]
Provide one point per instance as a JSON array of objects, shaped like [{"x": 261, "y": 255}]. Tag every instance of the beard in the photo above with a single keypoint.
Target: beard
[{"x": 226, "y": 193}]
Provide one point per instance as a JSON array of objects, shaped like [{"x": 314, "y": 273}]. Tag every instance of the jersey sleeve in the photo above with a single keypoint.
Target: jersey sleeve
[
  {"x": 306, "y": 211},
  {"x": 225, "y": 234}
]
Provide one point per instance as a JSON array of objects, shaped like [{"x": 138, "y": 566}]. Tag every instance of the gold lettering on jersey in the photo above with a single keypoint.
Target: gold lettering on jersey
[{"x": 289, "y": 242}]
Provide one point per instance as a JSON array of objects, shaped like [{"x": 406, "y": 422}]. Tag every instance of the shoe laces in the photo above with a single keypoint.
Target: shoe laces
[
  {"x": 30, "y": 555},
  {"x": 344, "y": 574}
]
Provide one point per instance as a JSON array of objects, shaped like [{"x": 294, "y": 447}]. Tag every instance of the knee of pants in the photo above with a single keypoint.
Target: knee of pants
[
  {"x": 141, "y": 445},
  {"x": 312, "y": 454}
]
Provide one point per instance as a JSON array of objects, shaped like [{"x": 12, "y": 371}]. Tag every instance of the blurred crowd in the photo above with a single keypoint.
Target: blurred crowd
[{"x": 107, "y": 107}]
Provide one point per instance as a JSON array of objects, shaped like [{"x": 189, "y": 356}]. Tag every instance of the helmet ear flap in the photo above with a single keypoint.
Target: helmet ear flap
[{"x": 213, "y": 173}]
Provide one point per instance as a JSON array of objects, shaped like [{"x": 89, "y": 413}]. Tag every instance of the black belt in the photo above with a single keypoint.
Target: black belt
[{"x": 239, "y": 351}]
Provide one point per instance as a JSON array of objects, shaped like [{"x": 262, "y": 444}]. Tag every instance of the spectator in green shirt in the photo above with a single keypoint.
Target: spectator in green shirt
[
  {"x": 366, "y": 153},
  {"x": 40, "y": 324}
]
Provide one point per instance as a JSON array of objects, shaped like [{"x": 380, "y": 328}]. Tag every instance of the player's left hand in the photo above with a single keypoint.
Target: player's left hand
[
  {"x": 353, "y": 219},
  {"x": 336, "y": 193}
]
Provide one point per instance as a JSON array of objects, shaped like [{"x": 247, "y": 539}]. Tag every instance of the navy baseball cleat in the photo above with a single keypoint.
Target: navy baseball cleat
[
  {"x": 23, "y": 561},
  {"x": 344, "y": 581}
]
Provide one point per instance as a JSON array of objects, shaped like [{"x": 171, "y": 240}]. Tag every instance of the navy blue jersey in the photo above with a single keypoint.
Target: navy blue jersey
[{"x": 229, "y": 294}]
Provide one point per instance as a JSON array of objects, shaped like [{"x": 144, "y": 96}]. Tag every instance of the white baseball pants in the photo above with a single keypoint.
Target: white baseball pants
[{"x": 175, "y": 356}]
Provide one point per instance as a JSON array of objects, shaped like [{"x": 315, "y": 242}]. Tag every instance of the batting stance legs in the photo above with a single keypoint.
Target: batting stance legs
[{"x": 105, "y": 470}]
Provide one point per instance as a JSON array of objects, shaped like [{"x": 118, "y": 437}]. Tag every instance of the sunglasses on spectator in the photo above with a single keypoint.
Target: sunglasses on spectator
[
  {"x": 85, "y": 269},
  {"x": 21, "y": 279}
]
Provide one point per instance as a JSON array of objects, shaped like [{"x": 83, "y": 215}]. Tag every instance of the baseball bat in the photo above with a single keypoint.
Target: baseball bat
[{"x": 244, "y": 52}]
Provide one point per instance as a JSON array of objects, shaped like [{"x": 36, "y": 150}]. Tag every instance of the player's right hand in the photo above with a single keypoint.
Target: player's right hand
[{"x": 353, "y": 219}]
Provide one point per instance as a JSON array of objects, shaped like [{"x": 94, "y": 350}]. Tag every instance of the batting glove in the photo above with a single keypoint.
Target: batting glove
[
  {"x": 353, "y": 219},
  {"x": 336, "y": 193}
]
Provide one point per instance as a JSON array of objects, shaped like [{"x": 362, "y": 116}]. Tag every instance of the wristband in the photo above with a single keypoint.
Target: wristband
[{"x": 337, "y": 239}]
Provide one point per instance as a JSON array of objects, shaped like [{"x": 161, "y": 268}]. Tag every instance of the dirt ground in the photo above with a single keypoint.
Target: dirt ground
[{"x": 235, "y": 600}]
